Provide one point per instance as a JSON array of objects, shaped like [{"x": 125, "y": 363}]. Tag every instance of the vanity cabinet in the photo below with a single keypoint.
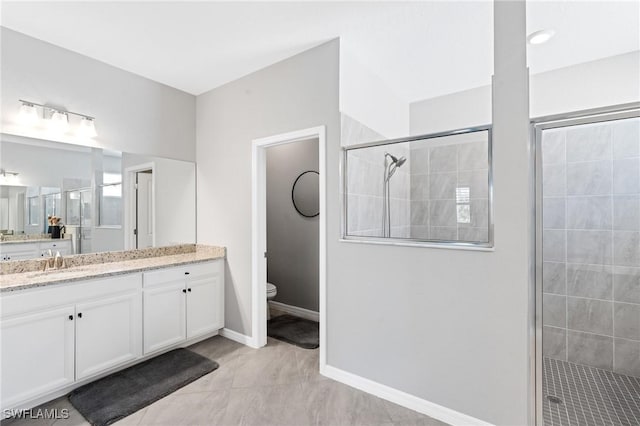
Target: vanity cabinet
[
  {"x": 32, "y": 250},
  {"x": 181, "y": 303},
  {"x": 55, "y": 338},
  {"x": 19, "y": 251},
  {"x": 108, "y": 333},
  {"x": 94, "y": 326},
  {"x": 37, "y": 353}
]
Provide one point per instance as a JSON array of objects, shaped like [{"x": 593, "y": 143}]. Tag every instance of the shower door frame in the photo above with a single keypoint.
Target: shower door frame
[{"x": 538, "y": 125}]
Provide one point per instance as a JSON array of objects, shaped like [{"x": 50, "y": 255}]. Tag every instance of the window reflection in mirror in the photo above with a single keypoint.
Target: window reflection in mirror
[
  {"x": 110, "y": 213},
  {"x": 433, "y": 189},
  {"x": 34, "y": 210}
]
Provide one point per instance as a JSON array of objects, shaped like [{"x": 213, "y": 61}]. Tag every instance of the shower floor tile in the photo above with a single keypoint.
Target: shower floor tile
[{"x": 588, "y": 396}]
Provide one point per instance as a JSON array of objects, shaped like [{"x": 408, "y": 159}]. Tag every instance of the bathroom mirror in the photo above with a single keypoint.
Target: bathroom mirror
[
  {"x": 433, "y": 189},
  {"x": 305, "y": 193},
  {"x": 106, "y": 200}
]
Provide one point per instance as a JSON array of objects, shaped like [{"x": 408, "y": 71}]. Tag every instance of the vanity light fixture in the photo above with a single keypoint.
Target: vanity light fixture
[
  {"x": 57, "y": 119},
  {"x": 4, "y": 173},
  {"x": 539, "y": 37},
  {"x": 87, "y": 128},
  {"x": 28, "y": 114}
]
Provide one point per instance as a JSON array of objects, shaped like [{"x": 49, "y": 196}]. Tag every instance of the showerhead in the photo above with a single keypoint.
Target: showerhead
[
  {"x": 395, "y": 160},
  {"x": 395, "y": 163}
]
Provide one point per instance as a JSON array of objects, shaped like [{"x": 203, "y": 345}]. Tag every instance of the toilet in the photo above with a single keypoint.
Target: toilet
[{"x": 271, "y": 293}]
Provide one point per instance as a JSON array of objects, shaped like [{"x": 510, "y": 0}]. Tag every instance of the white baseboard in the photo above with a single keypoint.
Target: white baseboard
[
  {"x": 237, "y": 337},
  {"x": 296, "y": 311},
  {"x": 404, "y": 399}
]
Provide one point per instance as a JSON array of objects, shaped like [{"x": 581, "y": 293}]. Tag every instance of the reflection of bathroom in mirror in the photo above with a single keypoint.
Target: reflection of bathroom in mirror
[{"x": 76, "y": 199}]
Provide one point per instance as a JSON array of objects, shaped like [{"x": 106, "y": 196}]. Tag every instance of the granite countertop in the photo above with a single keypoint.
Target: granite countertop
[{"x": 93, "y": 268}]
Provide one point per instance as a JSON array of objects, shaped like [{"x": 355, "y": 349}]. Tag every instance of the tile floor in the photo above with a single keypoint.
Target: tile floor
[
  {"x": 590, "y": 396},
  {"x": 275, "y": 385}
]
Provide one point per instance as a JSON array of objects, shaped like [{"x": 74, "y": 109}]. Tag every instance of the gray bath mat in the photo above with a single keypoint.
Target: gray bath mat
[
  {"x": 123, "y": 393},
  {"x": 298, "y": 331}
]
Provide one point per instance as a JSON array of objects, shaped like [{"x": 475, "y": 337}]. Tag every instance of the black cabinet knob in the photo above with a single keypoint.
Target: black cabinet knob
[
  {"x": 70, "y": 317},
  {"x": 80, "y": 315},
  {"x": 189, "y": 290},
  {"x": 186, "y": 273},
  {"x": 184, "y": 291}
]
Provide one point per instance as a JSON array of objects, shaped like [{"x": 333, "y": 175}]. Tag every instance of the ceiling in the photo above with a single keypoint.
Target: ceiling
[{"x": 420, "y": 49}]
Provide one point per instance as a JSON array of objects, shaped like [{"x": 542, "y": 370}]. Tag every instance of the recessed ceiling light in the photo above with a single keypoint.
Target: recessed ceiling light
[{"x": 539, "y": 37}]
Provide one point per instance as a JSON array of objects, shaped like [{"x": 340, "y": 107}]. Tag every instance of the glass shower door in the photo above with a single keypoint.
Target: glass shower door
[
  {"x": 590, "y": 286},
  {"x": 80, "y": 218},
  {"x": 86, "y": 220}
]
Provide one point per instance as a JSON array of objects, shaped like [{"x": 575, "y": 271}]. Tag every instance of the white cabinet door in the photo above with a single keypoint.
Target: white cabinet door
[
  {"x": 19, "y": 251},
  {"x": 37, "y": 354},
  {"x": 108, "y": 333},
  {"x": 205, "y": 311},
  {"x": 164, "y": 315}
]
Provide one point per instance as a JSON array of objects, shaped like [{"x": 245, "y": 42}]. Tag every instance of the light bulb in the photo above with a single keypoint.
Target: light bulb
[
  {"x": 87, "y": 128},
  {"x": 59, "y": 122},
  {"x": 28, "y": 115}
]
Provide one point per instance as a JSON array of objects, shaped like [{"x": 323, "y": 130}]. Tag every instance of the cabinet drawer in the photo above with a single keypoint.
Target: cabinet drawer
[
  {"x": 56, "y": 245},
  {"x": 19, "y": 251},
  {"x": 56, "y": 295},
  {"x": 195, "y": 270}
]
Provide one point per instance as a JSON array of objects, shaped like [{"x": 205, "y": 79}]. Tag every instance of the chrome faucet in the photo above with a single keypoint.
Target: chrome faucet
[{"x": 59, "y": 261}]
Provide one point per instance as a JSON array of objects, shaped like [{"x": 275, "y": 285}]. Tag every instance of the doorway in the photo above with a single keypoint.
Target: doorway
[
  {"x": 259, "y": 231},
  {"x": 588, "y": 268},
  {"x": 143, "y": 230},
  {"x": 140, "y": 207}
]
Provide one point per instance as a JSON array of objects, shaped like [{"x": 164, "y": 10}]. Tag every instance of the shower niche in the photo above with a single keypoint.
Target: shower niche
[{"x": 429, "y": 189}]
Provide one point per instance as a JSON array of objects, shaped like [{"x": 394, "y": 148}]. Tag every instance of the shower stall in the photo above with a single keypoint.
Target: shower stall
[{"x": 588, "y": 280}]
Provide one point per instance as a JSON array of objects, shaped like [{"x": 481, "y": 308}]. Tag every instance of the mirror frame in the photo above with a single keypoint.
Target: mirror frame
[{"x": 293, "y": 199}]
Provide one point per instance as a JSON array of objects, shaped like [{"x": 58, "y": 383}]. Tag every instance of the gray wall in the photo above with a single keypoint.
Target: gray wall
[
  {"x": 591, "y": 251},
  {"x": 292, "y": 239},
  {"x": 439, "y": 329},
  {"x": 582, "y": 88},
  {"x": 297, "y": 93},
  {"x": 133, "y": 114},
  {"x": 428, "y": 321}
]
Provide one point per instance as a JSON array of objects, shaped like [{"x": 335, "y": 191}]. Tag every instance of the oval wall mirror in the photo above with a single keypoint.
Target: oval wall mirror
[{"x": 305, "y": 193}]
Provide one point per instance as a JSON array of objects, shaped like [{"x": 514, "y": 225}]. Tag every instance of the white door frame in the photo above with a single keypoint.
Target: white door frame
[
  {"x": 259, "y": 231},
  {"x": 130, "y": 206}
]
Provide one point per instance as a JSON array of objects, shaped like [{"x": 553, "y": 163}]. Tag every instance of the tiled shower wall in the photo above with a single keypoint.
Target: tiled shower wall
[
  {"x": 591, "y": 245},
  {"x": 365, "y": 183},
  {"x": 436, "y": 174}
]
